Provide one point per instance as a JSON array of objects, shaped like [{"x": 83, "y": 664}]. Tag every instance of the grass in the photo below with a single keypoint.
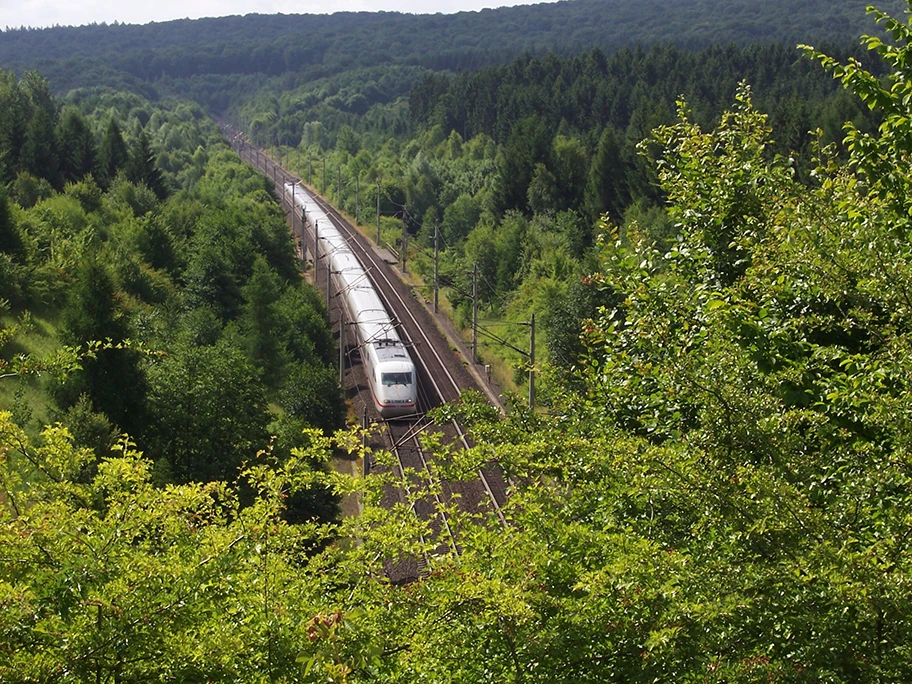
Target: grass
[
  {"x": 502, "y": 370},
  {"x": 27, "y": 396}
]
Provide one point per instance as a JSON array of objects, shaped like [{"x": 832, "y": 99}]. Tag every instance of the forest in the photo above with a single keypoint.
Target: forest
[
  {"x": 514, "y": 165},
  {"x": 208, "y": 59},
  {"x": 715, "y": 487},
  {"x": 131, "y": 226}
]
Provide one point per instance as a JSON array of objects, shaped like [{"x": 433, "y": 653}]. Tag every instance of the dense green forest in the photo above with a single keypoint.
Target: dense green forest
[
  {"x": 133, "y": 226},
  {"x": 723, "y": 495},
  {"x": 516, "y": 164},
  {"x": 217, "y": 61},
  {"x": 717, "y": 239}
]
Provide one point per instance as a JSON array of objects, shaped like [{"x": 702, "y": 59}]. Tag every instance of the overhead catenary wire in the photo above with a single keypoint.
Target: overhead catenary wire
[
  {"x": 487, "y": 333},
  {"x": 449, "y": 280},
  {"x": 504, "y": 298}
]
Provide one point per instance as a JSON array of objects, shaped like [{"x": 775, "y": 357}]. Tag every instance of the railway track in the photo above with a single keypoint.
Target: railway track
[
  {"x": 442, "y": 377},
  {"x": 438, "y": 382}
]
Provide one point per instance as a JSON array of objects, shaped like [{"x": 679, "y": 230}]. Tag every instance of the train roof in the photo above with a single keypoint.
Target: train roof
[
  {"x": 304, "y": 200},
  {"x": 377, "y": 329},
  {"x": 363, "y": 301}
]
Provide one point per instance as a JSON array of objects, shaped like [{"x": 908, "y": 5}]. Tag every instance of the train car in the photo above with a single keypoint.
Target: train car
[{"x": 389, "y": 368}]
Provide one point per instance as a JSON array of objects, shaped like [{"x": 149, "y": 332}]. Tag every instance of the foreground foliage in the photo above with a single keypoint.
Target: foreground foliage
[
  {"x": 117, "y": 579},
  {"x": 726, "y": 497}
]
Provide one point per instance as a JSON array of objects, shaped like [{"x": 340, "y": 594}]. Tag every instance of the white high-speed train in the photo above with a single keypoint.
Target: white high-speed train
[{"x": 390, "y": 371}]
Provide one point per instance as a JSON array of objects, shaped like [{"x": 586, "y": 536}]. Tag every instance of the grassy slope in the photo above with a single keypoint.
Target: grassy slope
[{"x": 38, "y": 339}]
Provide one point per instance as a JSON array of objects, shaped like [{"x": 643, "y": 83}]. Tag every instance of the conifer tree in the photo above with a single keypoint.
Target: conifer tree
[
  {"x": 141, "y": 167},
  {"x": 569, "y": 164},
  {"x": 10, "y": 240},
  {"x": 39, "y": 150},
  {"x": 37, "y": 90},
  {"x": 528, "y": 144},
  {"x": 261, "y": 321},
  {"x": 78, "y": 153},
  {"x": 543, "y": 191},
  {"x": 112, "y": 380},
  {"x": 12, "y": 125},
  {"x": 605, "y": 191},
  {"x": 113, "y": 154},
  {"x": 210, "y": 279}
]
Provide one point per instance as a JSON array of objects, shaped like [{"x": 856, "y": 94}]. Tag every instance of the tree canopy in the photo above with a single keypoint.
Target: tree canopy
[{"x": 719, "y": 490}]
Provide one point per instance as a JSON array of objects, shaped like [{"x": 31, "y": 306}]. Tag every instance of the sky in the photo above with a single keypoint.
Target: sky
[{"x": 41, "y": 13}]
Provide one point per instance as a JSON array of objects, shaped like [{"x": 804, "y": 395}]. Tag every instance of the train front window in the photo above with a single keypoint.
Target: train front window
[{"x": 389, "y": 379}]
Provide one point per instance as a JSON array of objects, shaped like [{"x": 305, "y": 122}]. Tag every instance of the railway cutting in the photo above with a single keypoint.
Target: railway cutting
[{"x": 442, "y": 374}]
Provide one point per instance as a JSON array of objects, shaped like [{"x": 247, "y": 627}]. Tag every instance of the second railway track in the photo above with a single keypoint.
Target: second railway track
[
  {"x": 442, "y": 376},
  {"x": 431, "y": 351}
]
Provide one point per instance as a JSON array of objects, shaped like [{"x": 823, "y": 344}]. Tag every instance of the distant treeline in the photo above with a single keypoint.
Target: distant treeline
[
  {"x": 635, "y": 89},
  {"x": 319, "y": 45},
  {"x": 605, "y": 105}
]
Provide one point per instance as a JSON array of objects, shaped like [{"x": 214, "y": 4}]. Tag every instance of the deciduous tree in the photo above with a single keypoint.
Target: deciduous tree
[{"x": 207, "y": 413}]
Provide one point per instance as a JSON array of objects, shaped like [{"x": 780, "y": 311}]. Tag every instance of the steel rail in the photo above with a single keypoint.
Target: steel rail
[
  {"x": 397, "y": 444},
  {"x": 375, "y": 270},
  {"x": 349, "y": 235}
]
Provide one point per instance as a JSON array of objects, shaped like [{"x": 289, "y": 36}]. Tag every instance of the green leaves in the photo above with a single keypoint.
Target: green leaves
[
  {"x": 117, "y": 578},
  {"x": 762, "y": 358},
  {"x": 207, "y": 412},
  {"x": 879, "y": 157}
]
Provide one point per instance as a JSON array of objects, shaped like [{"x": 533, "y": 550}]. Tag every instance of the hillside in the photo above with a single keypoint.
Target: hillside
[
  {"x": 319, "y": 45},
  {"x": 720, "y": 494},
  {"x": 716, "y": 482}
]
